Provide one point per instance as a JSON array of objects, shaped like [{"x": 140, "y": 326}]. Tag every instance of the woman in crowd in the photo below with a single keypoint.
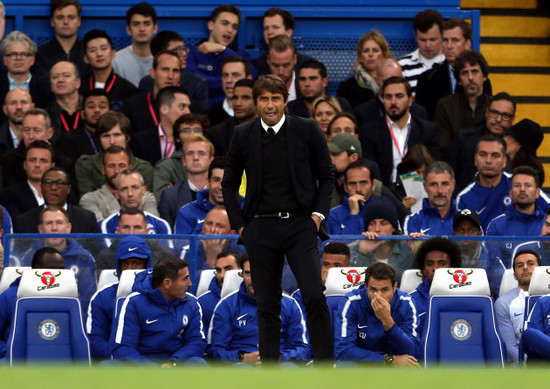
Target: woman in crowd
[{"x": 324, "y": 109}]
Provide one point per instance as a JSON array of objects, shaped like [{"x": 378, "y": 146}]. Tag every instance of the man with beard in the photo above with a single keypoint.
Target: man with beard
[
  {"x": 467, "y": 107},
  {"x": 489, "y": 194},
  {"x": 244, "y": 109},
  {"x": 510, "y": 307},
  {"x": 436, "y": 215},
  {"x": 103, "y": 201},
  {"x": 396, "y": 131},
  {"x": 83, "y": 140},
  {"x": 500, "y": 116},
  {"x": 17, "y": 102}
]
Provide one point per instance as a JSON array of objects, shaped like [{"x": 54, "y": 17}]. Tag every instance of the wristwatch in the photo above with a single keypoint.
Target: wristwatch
[{"x": 388, "y": 359}]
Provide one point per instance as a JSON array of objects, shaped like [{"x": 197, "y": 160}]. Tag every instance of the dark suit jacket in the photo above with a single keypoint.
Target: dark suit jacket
[
  {"x": 435, "y": 84},
  {"x": 75, "y": 143},
  {"x": 146, "y": 145},
  {"x": 217, "y": 114},
  {"x": 376, "y": 142},
  {"x": 309, "y": 162},
  {"x": 39, "y": 88},
  {"x": 373, "y": 109},
  {"x": 18, "y": 199},
  {"x": 220, "y": 135},
  {"x": 6, "y": 143},
  {"x": 172, "y": 199},
  {"x": 82, "y": 221}
]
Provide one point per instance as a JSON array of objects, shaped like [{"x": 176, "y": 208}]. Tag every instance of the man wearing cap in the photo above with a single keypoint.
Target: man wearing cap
[
  {"x": 347, "y": 218},
  {"x": 474, "y": 254},
  {"x": 132, "y": 253},
  {"x": 432, "y": 254},
  {"x": 436, "y": 215},
  {"x": 510, "y": 307}
]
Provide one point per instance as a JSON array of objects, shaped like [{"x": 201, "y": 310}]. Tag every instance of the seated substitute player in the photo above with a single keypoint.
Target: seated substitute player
[
  {"x": 536, "y": 335},
  {"x": 160, "y": 323},
  {"x": 510, "y": 307},
  {"x": 132, "y": 253},
  {"x": 44, "y": 258},
  {"x": 226, "y": 260},
  {"x": 233, "y": 332},
  {"x": 377, "y": 323}
]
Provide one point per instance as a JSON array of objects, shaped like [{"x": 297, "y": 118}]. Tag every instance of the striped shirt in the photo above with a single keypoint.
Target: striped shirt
[{"x": 414, "y": 64}]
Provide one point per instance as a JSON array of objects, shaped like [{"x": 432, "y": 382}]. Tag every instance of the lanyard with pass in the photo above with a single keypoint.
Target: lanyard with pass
[
  {"x": 401, "y": 153},
  {"x": 64, "y": 122}
]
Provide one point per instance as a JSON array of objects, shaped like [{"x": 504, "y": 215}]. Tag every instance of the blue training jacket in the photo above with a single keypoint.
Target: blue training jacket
[
  {"x": 209, "y": 300},
  {"x": 342, "y": 222},
  {"x": 360, "y": 336},
  {"x": 8, "y": 298},
  {"x": 151, "y": 329},
  {"x": 234, "y": 328},
  {"x": 429, "y": 222},
  {"x": 101, "y": 313}
]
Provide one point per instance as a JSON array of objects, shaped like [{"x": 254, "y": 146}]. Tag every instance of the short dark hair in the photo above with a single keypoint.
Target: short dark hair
[
  {"x": 161, "y": 41},
  {"x": 167, "y": 268},
  {"x": 492, "y": 138},
  {"x": 244, "y": 259},
  {"x": 504, "y": 96},
  {"x": 397, "y": 80},
  {"x": 217, "y": 163},
  {"x": 439, "y": 167},
  {"x": 144, "y": 9},
  {"x": 238, "y": 59},
  {"x": 338, "y": 248},
  {"x": 438, "y": 244},
  {"x": 281, "y": 43},
  {"x": 40, "y": 253},
  {"x": 288, "y": 19},
  {"x": 314, "y": 64},
  {"x": 526, "y": 251},
  {"x": 271, "y": 83},
  {"x": 465, "y": 27},
  {"x": 380, "y": 271},
  {"x": 40, "y": 144},
  {"x": 246, "y": 82},
  {"x": 471, "y": 58},
  {"x": 60, "y": 4},
  {"x": 190, "y": 118},
  {"x": 114, "y": 149},
  {"x": 57, "y": 169},
  {"x": 132, "y": 212},
  {"x": 343, "y": 114},
  {"x": 167, "y": 95},
  {"x": 95, "y": 34},
  {"x": 96, "y": 92},
  {"x": 528, "y": 171},
  {"x": 227, "y": 253},
  {"x": 225, "y": 8},
  {"x": 110, "y": 120},
  {"x": 359, "y": 164},
  {"x": 162, "y": 52},
  {"x": 424, "y": 20}
]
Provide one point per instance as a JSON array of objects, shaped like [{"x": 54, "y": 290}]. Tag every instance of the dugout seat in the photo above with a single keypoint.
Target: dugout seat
[
  {"x": 9, "y": 275},
  {"x": 508, "y": 282},
  {"x": 410, "y": 280},
  {"x": 125, "y": 287},
  {"x": 231, "y": 282},
  {"x": 47, "y": 324},
  {"x": 106, "y": 277},
  {"x": 204, "y": 281},
  {"x": 538, "y": 287},
  {"x": 460, "y": 325}
]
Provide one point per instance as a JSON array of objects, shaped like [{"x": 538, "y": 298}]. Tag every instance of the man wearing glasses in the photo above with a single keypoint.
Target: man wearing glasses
[
  {"x": 56, "y": 185},
  {"x": 19, "y": 53},
  {"x": 499, "y": 116}
]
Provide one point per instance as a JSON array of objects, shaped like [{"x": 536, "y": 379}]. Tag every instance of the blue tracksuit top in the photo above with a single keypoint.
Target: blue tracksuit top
[
  {"x": 539, "y": 316},
  {"x": 151, "y": 329},
  {"x": 360, "y": 336},
  {"x": 234, "y": 328},
  {"x": 429, "y": 222},
  {"x": 341, "y": 222},
  {"x": 101, "y": 313},
  {"x": 8, "y": 298},
  {"x": 513, "y": 223},
  {"x": 191, "y": 216},
  {"x": 492, "y": 202},
  {"x": 421, "y": 299},
  {"x": 209, "y": 300}
]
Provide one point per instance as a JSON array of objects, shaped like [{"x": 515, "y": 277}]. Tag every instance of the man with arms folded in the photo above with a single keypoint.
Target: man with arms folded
[
  {"x": 160, "y": 322},
  {"x": 377, "y": 323}
]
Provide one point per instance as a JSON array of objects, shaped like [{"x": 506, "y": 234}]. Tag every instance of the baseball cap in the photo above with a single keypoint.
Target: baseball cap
[
  {"x": 345, "y": 142},
  {"x": 466, "y": 214},
  {"x": 133, "y": 247}
]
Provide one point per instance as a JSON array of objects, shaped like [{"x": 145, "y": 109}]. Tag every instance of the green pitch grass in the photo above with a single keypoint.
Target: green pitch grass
[{"x": 286, "y": 378}]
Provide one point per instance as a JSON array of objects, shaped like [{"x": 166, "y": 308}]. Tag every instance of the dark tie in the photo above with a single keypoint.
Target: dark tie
[{"x": 271, "y": 132}]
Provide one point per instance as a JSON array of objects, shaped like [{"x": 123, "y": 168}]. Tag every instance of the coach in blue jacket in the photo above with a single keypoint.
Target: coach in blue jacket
[
  {"x": 377, "y": 322},
  {"x": 233, "y": 332},
  {"x": 159, "y": 322}
]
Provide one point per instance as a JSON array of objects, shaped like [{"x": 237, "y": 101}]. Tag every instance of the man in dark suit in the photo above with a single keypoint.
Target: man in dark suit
[
  {"x": 22, "y": 197},
  {"x": 289, "y": 183},
  {"x": 387, "y": 139},
  {"x": 56, "y": 186},
  {"x": 17, "y": 102}
]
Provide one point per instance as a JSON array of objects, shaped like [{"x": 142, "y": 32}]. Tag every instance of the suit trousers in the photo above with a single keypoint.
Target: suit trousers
[{"x": 268, "y": 241}]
